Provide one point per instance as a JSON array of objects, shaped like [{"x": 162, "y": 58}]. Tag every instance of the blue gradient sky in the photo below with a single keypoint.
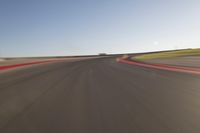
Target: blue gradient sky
[{"x": 79, "y": 27}]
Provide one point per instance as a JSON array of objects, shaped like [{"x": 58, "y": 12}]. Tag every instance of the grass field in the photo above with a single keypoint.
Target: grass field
[{"x": 169, "y": 54}]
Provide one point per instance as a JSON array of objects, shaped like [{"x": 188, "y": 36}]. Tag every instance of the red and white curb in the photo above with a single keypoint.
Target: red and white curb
[
  {"x": 6, "y": 67},
  {"x": 161, "y": 66}
]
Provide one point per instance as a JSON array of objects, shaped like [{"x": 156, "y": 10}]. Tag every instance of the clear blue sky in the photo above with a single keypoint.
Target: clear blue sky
[{"x": 79, "y": 27}]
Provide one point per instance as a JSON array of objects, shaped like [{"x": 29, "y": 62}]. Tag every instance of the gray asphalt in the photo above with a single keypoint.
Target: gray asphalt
[
  {"x": 185, "y": 61},
  {"x": 98, "y": 96}
]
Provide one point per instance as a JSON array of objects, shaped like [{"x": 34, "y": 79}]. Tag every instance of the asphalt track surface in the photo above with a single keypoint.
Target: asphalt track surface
[
  {"x": 98, "y": 96},
  {"x": 187, "y": 61}
]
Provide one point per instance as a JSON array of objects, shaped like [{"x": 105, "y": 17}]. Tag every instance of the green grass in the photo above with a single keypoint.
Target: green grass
[{"x": 169, "y": 54}]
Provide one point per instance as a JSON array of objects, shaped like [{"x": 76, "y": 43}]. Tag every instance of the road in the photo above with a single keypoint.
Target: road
[
  {"x": 188, "y": 61},
  {"x": 98, "y": 96}
]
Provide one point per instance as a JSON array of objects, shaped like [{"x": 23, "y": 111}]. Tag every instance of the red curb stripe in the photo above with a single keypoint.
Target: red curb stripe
[
  {"x": 23, "y": 64},
  {"x": 162, "y": 67}
]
